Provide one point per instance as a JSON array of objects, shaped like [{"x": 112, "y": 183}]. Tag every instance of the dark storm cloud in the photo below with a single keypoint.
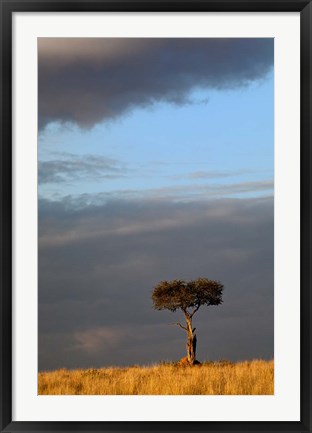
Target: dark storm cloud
[
  {"x": 78, "y": 167},
  {"x": 89, "y": 80},
  {"x": 98, "y": 266}
]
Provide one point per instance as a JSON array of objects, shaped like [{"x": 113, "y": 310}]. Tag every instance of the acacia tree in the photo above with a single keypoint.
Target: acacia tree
[{"x": 188, "y": 296}]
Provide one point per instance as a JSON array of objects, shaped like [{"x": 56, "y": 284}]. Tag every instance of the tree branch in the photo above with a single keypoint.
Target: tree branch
[
  {"x": 186, "y": 313},
  {"x": 179, "y": 324},
  {"x": 194, "y": 311}
]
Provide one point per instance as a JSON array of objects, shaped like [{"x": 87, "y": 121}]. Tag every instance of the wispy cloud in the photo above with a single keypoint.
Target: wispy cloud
[
  {"x": 201, "y": 192},
  {"x": 211, "y": 174},
  {"x": 76, "y": 167},
  {"x": 95, "y": 338},
  {"x": 177, "y": 193},
  {"x": 144, "y": 222}
]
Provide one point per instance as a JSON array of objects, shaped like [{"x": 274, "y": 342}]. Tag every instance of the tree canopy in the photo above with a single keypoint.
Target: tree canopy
[{"x": 175, "y": 294}]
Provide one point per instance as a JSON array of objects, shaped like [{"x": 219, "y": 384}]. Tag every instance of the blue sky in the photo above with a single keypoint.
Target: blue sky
[{"x": 220, "y": 137}]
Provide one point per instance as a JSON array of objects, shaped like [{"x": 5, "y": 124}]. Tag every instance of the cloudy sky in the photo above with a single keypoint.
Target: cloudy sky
[{"x": 155, "y": 162}]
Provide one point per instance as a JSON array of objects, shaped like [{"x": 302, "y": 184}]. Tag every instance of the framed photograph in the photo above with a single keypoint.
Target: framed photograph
[{"x": 155, "y": 216}]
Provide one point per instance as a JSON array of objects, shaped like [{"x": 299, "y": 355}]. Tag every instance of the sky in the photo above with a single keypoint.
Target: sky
[{"x": 155, "y": 162}]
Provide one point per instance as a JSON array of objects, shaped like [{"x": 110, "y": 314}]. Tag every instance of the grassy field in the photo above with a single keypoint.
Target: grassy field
[{"x": 214, "y": 378}]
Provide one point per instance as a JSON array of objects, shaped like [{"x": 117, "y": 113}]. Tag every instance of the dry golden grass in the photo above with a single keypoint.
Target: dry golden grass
[{"x": 217, "y": 378}]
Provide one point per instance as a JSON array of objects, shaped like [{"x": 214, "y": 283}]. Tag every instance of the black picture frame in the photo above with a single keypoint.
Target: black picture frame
[{"x": 8, "y": 7}]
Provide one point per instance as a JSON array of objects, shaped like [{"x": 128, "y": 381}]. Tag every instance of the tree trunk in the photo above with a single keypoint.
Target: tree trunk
[{"x": 191, "y": 342}]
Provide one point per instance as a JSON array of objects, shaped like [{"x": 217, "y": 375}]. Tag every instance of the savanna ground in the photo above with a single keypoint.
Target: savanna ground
[{"x": 211, "y": 378}]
